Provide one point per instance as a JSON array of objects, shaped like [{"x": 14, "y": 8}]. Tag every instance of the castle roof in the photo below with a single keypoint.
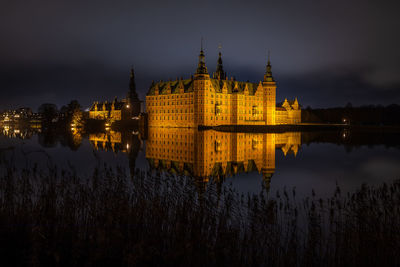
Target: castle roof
[
  {"x": 289, "y": 104},
  {"x": 232, "y": 86},
  {"x": 163, "y": 86},
  {"x": 118, "y": 105}
]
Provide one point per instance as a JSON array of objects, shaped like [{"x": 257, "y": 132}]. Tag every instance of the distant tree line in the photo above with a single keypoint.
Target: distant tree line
[
  {"x": 363, "y": 115},
  {"x": 67, "y": 115}
]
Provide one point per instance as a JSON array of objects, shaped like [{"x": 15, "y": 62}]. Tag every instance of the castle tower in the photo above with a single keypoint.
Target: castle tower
[
  {"x": 133, "y": 102},
  {"x": 201, "y": 82},
  {"x": 201, "y": 71},
  {"x": 219, "y": 73},
  {"x": 269, "y": 86}
]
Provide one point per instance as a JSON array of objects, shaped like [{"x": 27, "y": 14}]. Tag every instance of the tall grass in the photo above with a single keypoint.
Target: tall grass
[{"x": 53, "y": 217}]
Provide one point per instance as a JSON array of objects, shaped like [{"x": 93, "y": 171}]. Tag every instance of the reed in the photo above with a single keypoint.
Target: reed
[{"x": 55, "y": 217}]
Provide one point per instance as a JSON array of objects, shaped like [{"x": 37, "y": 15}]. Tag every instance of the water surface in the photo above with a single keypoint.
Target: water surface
[{"x": 305, "y": 161}]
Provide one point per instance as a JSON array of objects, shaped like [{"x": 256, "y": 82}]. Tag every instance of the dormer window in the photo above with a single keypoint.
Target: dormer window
[
  {"x": 218, "y": 146},
  {"x": 218, "y": 109},
  {"x": 254, "y": 110}
]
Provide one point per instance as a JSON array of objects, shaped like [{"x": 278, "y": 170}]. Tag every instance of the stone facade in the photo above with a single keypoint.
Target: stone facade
[
  {"x": 205, "y": 101},
  {"x": 288, "y": 112}
]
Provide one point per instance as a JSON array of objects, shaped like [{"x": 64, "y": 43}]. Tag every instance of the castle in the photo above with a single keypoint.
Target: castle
[
  {"x": 203, "y": 154},
  {"x": 117, "y": 110},
  {"x": 205, "y": 101}
]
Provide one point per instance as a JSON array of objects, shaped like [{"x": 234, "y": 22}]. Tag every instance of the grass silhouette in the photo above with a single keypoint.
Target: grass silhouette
[{"x": 54, "y": 217}]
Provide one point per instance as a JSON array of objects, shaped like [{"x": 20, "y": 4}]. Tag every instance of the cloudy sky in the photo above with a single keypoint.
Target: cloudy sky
[{"x": 326, "y": 53}]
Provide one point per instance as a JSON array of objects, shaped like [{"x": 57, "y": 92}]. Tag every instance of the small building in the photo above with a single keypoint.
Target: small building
[
  {"x": 124, "y": 109},
  {"x": 113, "y": 111},
  {"x": 288, "y": 112}
]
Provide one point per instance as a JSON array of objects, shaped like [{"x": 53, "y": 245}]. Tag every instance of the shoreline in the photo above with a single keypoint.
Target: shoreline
[{"x": 301, "y": 128}]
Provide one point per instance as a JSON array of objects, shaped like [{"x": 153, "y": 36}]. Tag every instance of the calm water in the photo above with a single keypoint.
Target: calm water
[{"x": 304, "y": 161}]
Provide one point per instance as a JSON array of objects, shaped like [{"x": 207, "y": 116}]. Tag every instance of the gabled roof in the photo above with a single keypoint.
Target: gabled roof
[
  {"x": 118, "y": 105},
  {"x": 232, "y": 86},
  {"x": 288, "y": 103},
  {"x": 162, "y": 87}
]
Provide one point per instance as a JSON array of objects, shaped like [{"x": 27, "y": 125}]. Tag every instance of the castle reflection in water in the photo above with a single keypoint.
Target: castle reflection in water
[
  {"x": 204, "y": 154},
  {"x": 186, "y": 151}
]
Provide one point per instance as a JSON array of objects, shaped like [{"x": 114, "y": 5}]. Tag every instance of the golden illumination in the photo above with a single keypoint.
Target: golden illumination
[
  {"x": 210, "y": 153},
  {"x": 110, "y": 140},
  {"x": 205, "y": 101}
]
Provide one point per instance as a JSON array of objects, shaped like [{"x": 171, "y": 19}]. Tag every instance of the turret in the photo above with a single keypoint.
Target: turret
[
  {"x": 132, "y": 86},
  {"x": 219, "y": 73},
  {"x": 269, "y": 93},
  {"x": 268, "y": 73},
  {"x": 201, "y": 71},
  {"x": 201, "y": 82},
  {"x": 133, "y": 101}
]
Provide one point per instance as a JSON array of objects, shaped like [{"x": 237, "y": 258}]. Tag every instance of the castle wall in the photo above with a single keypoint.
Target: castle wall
[
  {"x": 173, "y": 110},
  {"x": 206, "y": 106}
]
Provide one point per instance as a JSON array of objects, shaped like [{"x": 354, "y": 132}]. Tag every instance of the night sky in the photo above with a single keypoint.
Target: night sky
[{"x": 326, "y": 53}]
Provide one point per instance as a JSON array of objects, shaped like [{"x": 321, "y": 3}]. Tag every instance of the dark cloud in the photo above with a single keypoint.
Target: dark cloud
[{"x": 61, "y": 50}]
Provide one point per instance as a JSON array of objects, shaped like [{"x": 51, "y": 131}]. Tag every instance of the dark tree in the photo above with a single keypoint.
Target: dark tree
[
  {"x": 73, "y": 106},
  {"x": 49, "y": 112}
]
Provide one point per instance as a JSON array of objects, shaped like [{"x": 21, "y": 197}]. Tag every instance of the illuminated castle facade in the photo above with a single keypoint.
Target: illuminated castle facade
[
  {"x": 117, "y": 110},
  {"x": 205, "y": 154},
  {"x": 205, "y": 101}
]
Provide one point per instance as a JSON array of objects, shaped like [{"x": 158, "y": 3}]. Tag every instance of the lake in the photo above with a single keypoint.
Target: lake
[{"x": 305, "y": 161}]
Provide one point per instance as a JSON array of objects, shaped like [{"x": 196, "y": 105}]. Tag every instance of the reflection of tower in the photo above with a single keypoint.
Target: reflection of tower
[
  {"x": 201, "y": 152},
  {"x": 268, "y": 162},
  {"x": 267, "y": 176},
  {"x": 133, "y": 147},
  {"x": 269, "y": 86}
]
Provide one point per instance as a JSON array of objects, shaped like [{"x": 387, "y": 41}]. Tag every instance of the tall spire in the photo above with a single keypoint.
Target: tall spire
[
  {"x": 132, "y": 86},
  {"x": 201, "y": 67},
  {"x": 219, "y": 73},
  {"x": 268, "y": 73}
]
